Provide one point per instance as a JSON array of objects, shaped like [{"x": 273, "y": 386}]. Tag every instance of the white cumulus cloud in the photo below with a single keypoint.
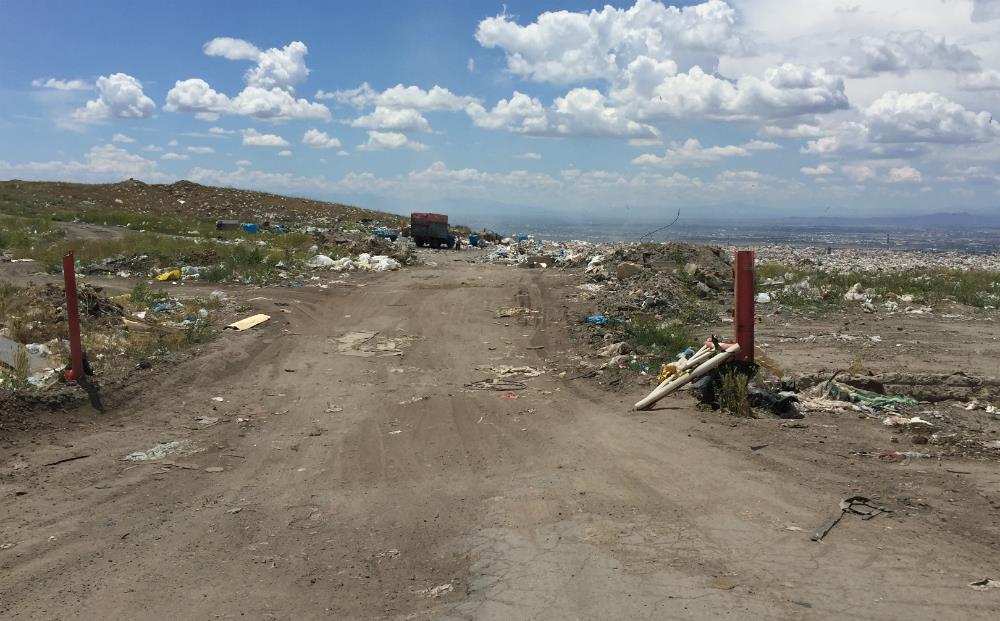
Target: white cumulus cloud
[
  {"x": 904, "y": 174},
  {"x": 62, "y": 85},
  {"x": 988, "y": 80},
  {"x": 270, "y": 85},
  {"x": 122, "y": 138},
  {"x": 902, "y": 52},
  {"x": 119, "y": 95},
  {"x": 692, "y": 153},
  {"x": 412, "y": 97},
  {"x": 379, "y": 141},
  {"x": 275, "y": 67},
  {"x": 565, "y": 47},
  {"x": 926, "y": 117},
  {"x": 100, "y": 164},
  {"x": 319, "y": 140},
  {"x": 253, "y": 138},
  {"x": 393, "y": 119},
  {"x": 822, "y": 169},
  {"x": 786, "y": 91}
]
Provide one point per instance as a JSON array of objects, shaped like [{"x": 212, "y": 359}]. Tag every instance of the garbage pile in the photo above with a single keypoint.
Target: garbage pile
[
  {"x": 364, "y": 262},
  {"x": 116, "y": 330},
  {"x": 955, "y": 413},
  {"x": 622, "y": 277},
  {"x": 668, "y": 280},
  {"x": 872, "y": 260},
  {"x": 526, "y": 251}
]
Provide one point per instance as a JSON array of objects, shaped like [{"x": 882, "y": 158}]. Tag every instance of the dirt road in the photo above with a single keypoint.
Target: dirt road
[{"x": 358, "y": 479}]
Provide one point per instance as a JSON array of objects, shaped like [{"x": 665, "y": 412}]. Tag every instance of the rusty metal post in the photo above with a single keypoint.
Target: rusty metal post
[
  {"x": 743, "y": 305},
  {"x": 73, "y": 317}
]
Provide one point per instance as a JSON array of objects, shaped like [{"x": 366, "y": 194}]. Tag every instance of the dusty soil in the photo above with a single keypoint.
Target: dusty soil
[{"x": 361, "y": 479}]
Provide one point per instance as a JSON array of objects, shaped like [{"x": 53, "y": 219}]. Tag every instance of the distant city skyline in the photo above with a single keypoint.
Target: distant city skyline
[{"x": 746, "y": 107}]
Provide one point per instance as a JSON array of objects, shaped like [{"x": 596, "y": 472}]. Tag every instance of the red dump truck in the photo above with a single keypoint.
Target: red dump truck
[{"x": 431, "y": 229}]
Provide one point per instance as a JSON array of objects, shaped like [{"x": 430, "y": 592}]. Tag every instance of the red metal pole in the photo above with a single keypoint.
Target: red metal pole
[
  {"x": 73, "y": 316},
  {"x": 743, "y": 308}
]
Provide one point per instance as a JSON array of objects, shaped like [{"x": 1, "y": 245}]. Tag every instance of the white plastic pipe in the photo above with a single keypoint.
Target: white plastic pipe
[
  {"x": 702, "y": 355},
  {"x": 662, "y": 391}
]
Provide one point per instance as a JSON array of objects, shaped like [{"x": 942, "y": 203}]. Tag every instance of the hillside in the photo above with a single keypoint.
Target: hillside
[{"x": 182, "y": 199}]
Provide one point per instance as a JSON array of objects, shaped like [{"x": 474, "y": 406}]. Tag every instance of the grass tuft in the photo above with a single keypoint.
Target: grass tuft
[
  {"x": 732, "y": 392},
  {"x": 664, "y": 339}
]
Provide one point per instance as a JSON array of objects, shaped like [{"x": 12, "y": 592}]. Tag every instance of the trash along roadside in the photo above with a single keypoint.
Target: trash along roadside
[{"x": 121, "y": 332}]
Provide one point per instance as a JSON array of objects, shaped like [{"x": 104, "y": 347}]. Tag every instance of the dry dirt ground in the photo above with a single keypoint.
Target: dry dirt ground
[{"x": 348, "y": 486}]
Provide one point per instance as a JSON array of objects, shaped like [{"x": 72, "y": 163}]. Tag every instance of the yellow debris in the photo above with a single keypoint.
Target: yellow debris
[{"x": 169, "y": 275}]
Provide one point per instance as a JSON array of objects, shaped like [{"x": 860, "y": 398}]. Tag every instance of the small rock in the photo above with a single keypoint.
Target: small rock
[
  {"x": 627, "y": 270},
  {"x": 615, "y": 349}
]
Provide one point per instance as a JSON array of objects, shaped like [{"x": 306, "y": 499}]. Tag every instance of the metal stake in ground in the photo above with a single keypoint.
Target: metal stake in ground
[
  {"x": 75, "y": 373},
  {"x": 743, "y": 306}
]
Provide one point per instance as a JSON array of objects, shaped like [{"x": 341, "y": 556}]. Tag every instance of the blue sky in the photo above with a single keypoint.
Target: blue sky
[{"x": 573, "y": 109}]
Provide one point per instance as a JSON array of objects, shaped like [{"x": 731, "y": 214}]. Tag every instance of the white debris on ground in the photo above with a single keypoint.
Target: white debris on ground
[
  {"x": 872, "y": 260},
  {"x": 160, "y": 451},
  {"x": 364, "y": 262}
]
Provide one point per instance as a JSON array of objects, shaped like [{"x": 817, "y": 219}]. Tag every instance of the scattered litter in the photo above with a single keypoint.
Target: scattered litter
[
  {"x": 524, "y": 371},
  {"x": 597, "y": 320},
  {"x": 234, "y": 510},
  {"x": 331, "y": 408},
  {"x": 206, "y": 420},
  {"x": 437, "y": 591},
  {"x": 215, "y": 469},
  {"x": 856, "y": 395},
  {"x": 901, "y": 456},
  {"x": 855, "y": 293},
  {"x": 65, "y": 459},
  {"x": 170, "y": 275},
  {"x": 499, "y": 385},
  {"x": 398, "y": 431},
  {"x": 320, "y": 260},
  {"x": 516, "y": 311},
  {"x": 159, "y": 451},
  {"x": 984, "y": 585},
  {"x": 858, "y": 505},
  {"x": 249, "y": 322},
  {"x": 219, "y": 399},
  {"x": 912, "y": 424},
  {"x": 413, "y": 400}
]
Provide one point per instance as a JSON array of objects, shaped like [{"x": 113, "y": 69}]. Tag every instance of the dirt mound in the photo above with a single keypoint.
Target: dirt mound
[
  {"x": 188, "y": 199},
  {"x": 662, "y": 279},
  {"x": 39, "y": 313}
]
